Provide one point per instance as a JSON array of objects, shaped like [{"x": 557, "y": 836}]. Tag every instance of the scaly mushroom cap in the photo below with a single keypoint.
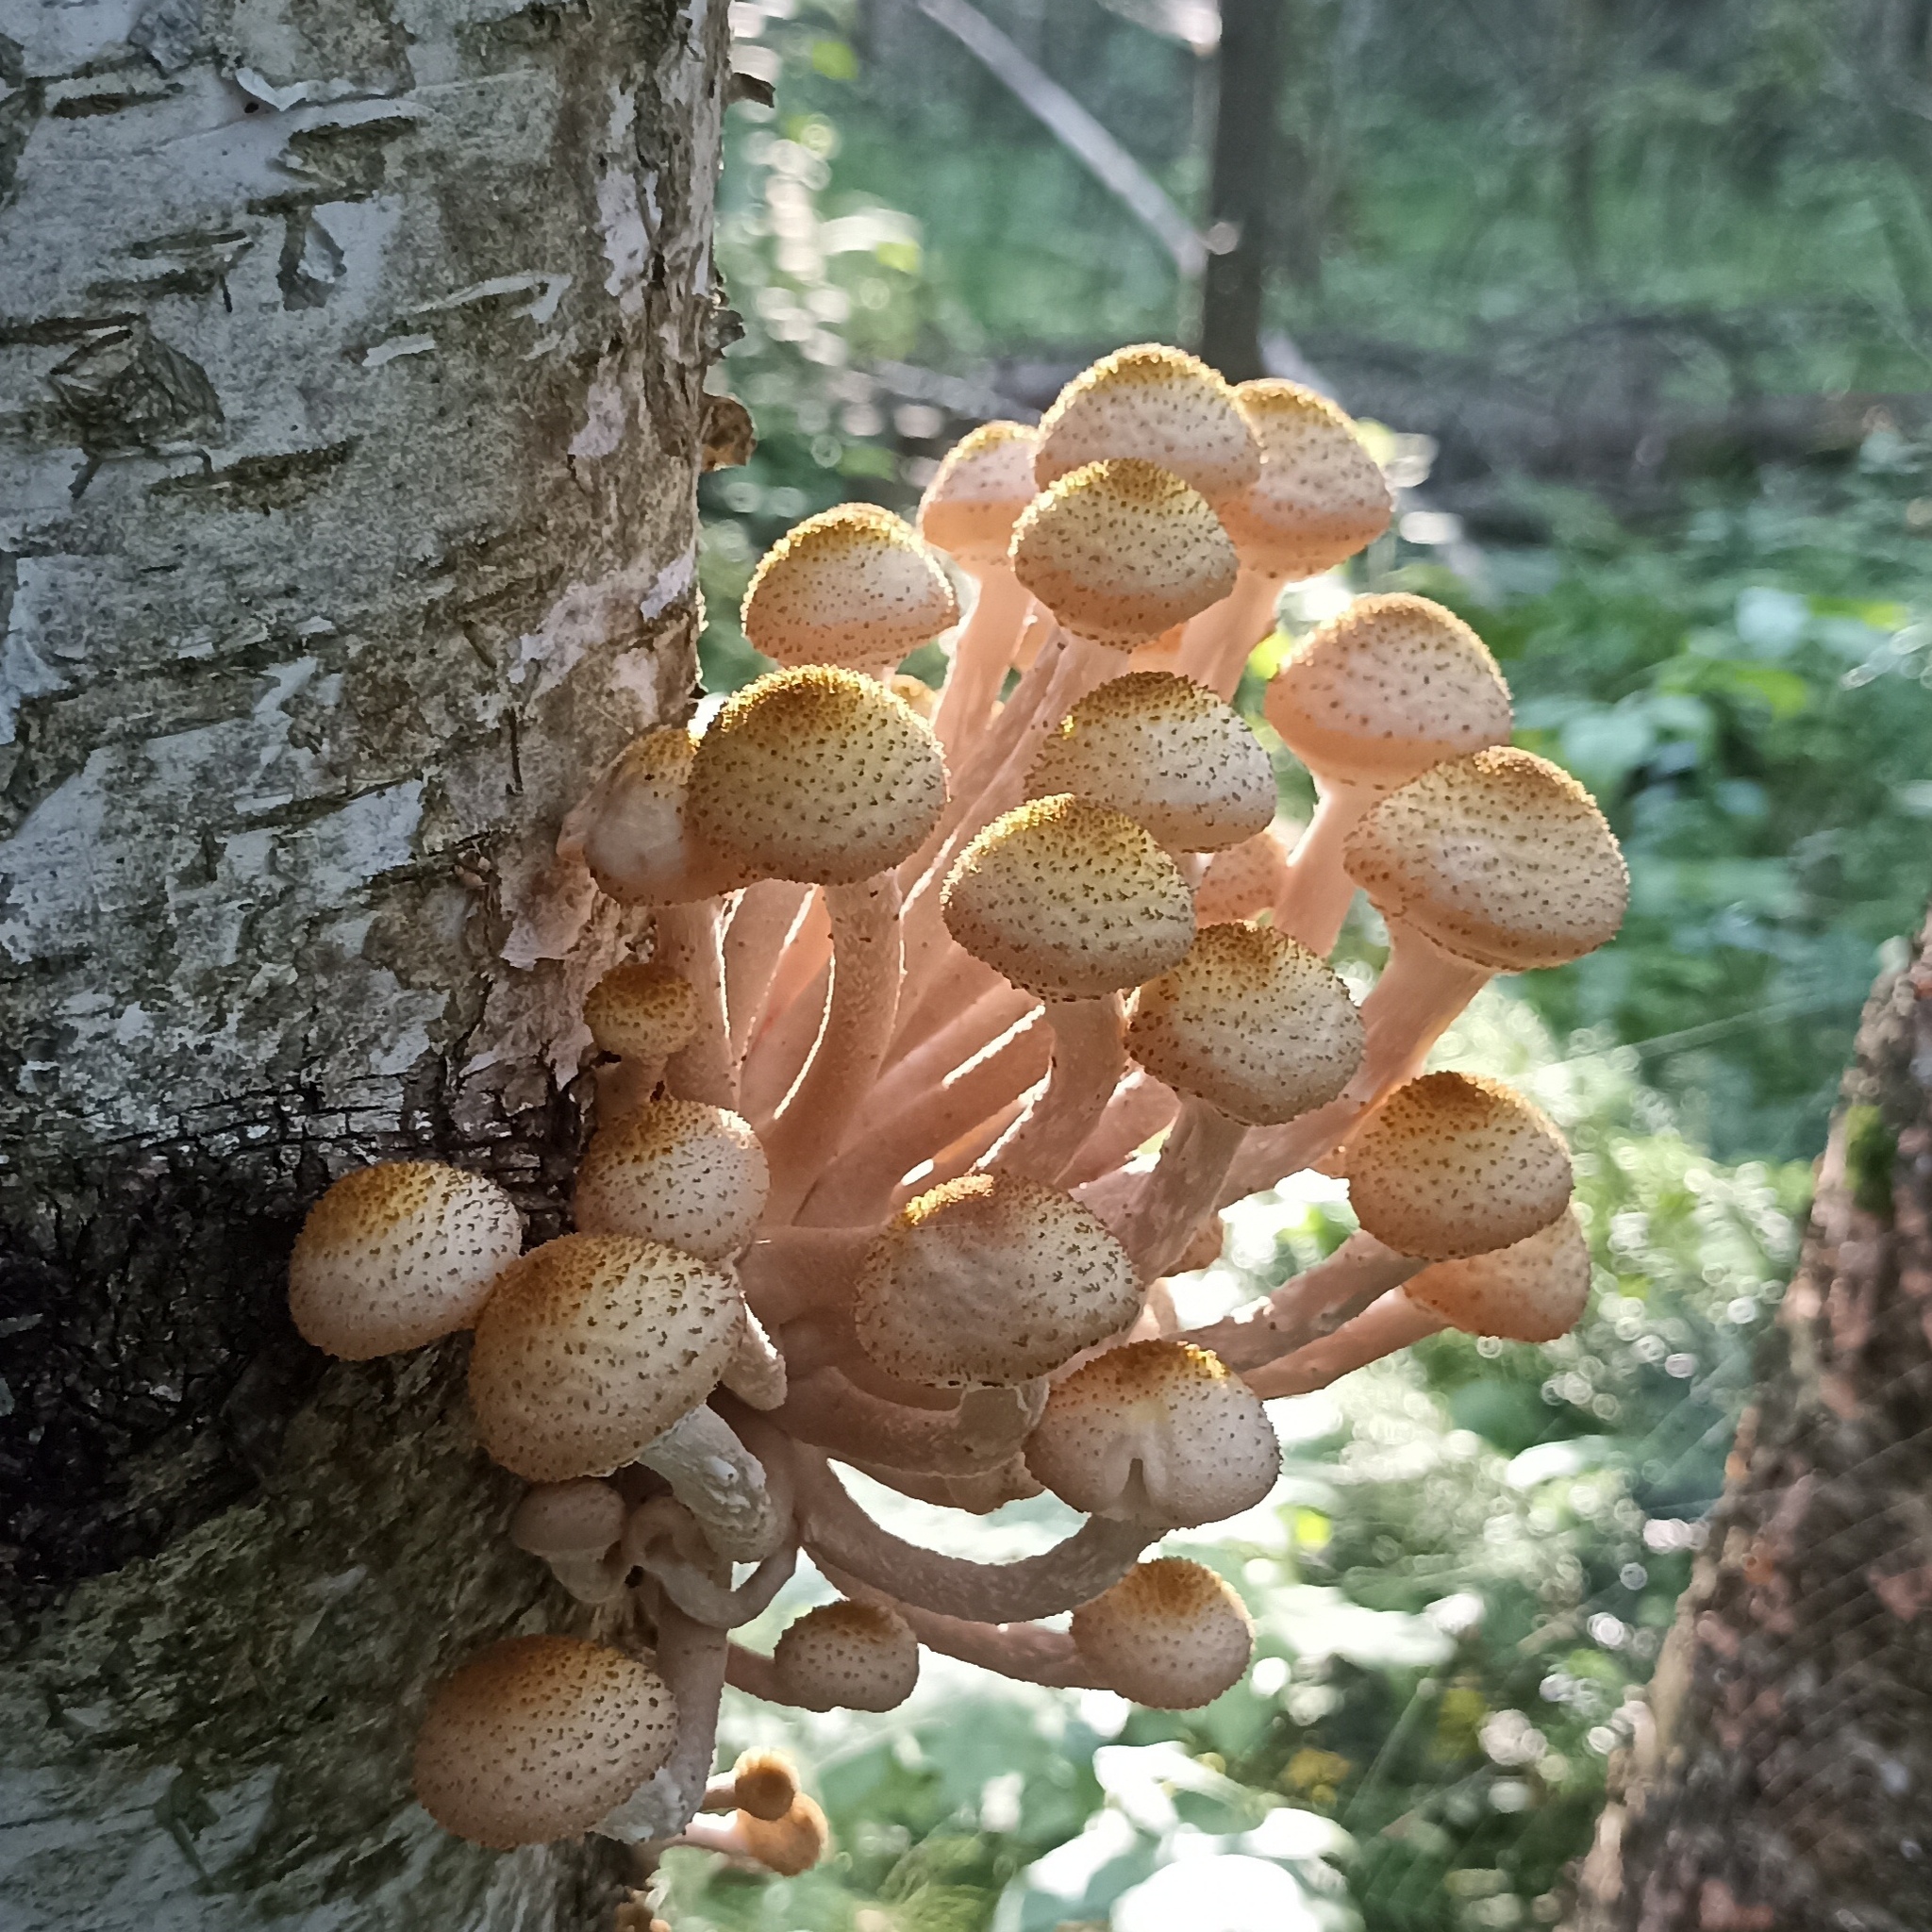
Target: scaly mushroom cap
[
  {"x": 1320, "y": 497},
  {"x": 816, "y": 774},
  {"x": 788, "y": 1846},
  {"x": 1453, "y": 1165},
  {"x": 393, "y": 1256},
  {"x": 642, "y": 1012},
  {"x": 1246, "y": 879},
  {"x": 537, "y": 1737},
  {"x": 1119, "y": 551},
  {"x": 858, "y": 1657},
  {"x": 1170, "y": 1634},
  {"x": 1069, "y": 900},
  {"x": 851, "y": 586},
  {"x": 1251, "y": 1022},
  {"x": 1155, "y": 402},
  {"x": 1533, "y": 1290},
  {"x": 580, "y": 1518},
  {"x": 1500, "y": 858},
  {"x": 591, "y": 1346},
  {"x": 986, "y": 480},
  {"x": 636, "y": 839},
  {"x": 1166, "y": 752},
  {"x": 993, "y": 1279},
  {"x": 679, "y": 1171},
  {"x": 1386, "y": 689},
  {"x": 1160, "y": 1431}
]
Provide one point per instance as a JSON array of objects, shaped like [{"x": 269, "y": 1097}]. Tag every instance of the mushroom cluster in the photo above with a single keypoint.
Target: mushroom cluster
[{"x": 871, "y": 1180}]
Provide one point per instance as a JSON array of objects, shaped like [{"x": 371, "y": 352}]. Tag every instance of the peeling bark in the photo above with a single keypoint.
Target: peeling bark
[
  {"x": 1784, "y": 1780},
  {"x": 350, "y": 365}
]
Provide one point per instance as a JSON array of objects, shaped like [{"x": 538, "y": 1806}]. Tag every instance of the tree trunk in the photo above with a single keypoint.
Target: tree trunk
[
  {"x": 1245, "y": 178},
  {"x": 350, "y": 380},
  {"x": 1784, "y": 1779}
]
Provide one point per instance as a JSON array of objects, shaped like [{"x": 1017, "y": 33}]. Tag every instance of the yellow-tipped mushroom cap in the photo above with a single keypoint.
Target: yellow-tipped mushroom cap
[
  {"x": 679, "y": 1172},
  {"x": 539, "y": 1737},
  {"x": 636, "y": 839},
  {"x": 1169, "y": 753},
  {"x": 1120, "y": 551},
  {"x": 1453, "y": 1165},
  {"x": 644, "y": 1013},
  {"x": 984, "y": 483},
  {"x": 396, "y": 1255},
  {"x": 1533, "y": 1290},
  {"x": 1155, "y": 402},
  {"x": 591, "y": 1346},
  {"x": 851, "y": 586},
  {"x": 1252, "y": 1023},
  {"x": 1069, "y": 900},
  {"x": 1386, "y": 689},
  {"x": 1320, "y": 497},
  {"x": 816, "y": 774},
  {"x": 1500, "y": 858},
  {"x": 992, "y": 1279},
  {"x": 850, "y": 1655},
  {"x": 1156, "y": 1430},
  {"x": 1170, "y": 1634}
]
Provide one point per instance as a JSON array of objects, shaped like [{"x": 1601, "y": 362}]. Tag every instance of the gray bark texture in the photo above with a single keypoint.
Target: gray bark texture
[
  {"x": 351, "y": 364},
  {"x": 1783, "y": 1782}
]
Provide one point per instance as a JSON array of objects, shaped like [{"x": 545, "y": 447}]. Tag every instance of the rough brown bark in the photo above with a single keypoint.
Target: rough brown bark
[{"x": 1784, "y": 1779}]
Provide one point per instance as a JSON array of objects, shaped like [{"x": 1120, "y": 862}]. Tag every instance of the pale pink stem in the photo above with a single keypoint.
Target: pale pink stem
[
  {"x": 922, "y": 1055},
  {"x": 754, "y": 941},
  {"x": 982, "y": 655},
  {"x": 806, "y": 1130},
  {"x": 1421, "y": 992},
  {"x": 978, "y": 1495},
  {"x": 1315, "y": 891},
  {"x": 958, "y": 985},
  {"x": 1186, "y": 1179},
  {"x": 1140, "y": 1106},
  {"x": 790, "y": 1272},
  {"x": 1270, "y": 1155},
  {"x": 1392, "y": 1323},
  {"x": 1089, "y": 1059},
  {"x": 690, "y": 1658},
  {"x": 949, "y": 1164},
  {"x": 688, "y": 943},
  {"x": 781, "y": 1046},
  {"x": 758, "y": 1677},
  {"x": 979, "y": 1433},
  {"x": 1217, "y": 644}
]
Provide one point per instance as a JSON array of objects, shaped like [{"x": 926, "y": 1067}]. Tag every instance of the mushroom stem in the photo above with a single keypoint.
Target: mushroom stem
[
  {"x": 688, "y": 944},
  {"x": 1315, "y": 891},
  {"x": 756, "y": 1373},
  {"x": 951, "y": 1162},
  {"x": 691, "y": 1660},
  {"x": 1389, "y": 1324},
  {"x": 1168, "y": 1206},
  {"x": 1217, "y": 644},
  {"x": 790, "y": 1272},
  {"x": 721, "y": 1482},
  {"x": 755, "y": 1675},
  {"x": 957, "y": 984},
  {"x": 794, "y": 1009},
  {"x": 978, "y": 1496},
  {"x": 1420, "y": 992},
  {"x": 755, "y": 939},
  {"x": 1087, "y": 1062},
  {"x": 932, "y": 1038},
  {"x": 1140, "y": 1109},
  {"x": 827, "y": 1407},
  {"x": 624, "y": 1086},
  {"x": 807, "y": 1129},
  {"x": 982, "y": 653}
]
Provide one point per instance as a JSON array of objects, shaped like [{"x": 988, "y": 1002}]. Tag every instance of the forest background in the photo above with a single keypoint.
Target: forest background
[{"x": 1636, "y": 296}]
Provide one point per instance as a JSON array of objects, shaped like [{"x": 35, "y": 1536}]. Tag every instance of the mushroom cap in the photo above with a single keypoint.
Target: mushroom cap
[
  {"x": 1251, "y": 1022},
  {"x": 1386, "y": 689},
  {"x": 790, "y": 1844},
  {"x": 816, "y": 774},
  {"x": 591, "y": 1346},
  {"x": 1245, "y": 880},
  {"x": 1533, "y": 1290},
  {"x": 1069, "y": 900},
  {"x": 1155, "y": 402},
  {"x": 991, "y": 1278},
  {"x": 1169, "y": 753},
  {"x": 1171, "y": 1634},
  {"x": 1159, "y": 1431},
  {"x": 851, "y": 586},
  {"x": 984, "y": 482},
  {"x": 580, "y": 1518},
  {"x": 858, "y": 1656},
  {"x": 679, "y": 1171},
  {"x": 1500, "y": 858},
  {"x": 764, "y": 1783},
  {"x": 1119, "y": 551},
  {"x": 1455, "y": 1164},
  {"x": 395, "y": 1255},
  {"x": 539, "y": 1737},
  {"x": 636, "y": 839},
  {"x": 1320, "y": 497},
  {"x": 916, "y": 694},
  {"x": 644, "y": 1013}
]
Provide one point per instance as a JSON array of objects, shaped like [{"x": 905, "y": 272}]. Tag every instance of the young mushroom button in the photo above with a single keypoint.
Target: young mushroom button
[
  {"x": 1170, "y": 1634},
  {"x": 679, "y": 1171},
  {"x": 850, "y": 1655}
]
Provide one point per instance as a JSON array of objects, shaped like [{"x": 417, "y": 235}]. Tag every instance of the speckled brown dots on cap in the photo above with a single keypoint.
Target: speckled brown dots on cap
[
  {"x": 1120, "y": 551},
  {"x": 1171, "y": 1634},
  {"x": 1157, "y": 403},
  {"x": 819, "y": 776},
  {"x": 679, "y": 1171},
  {"x": 396, "y": 1255},
  {"x": 591, "y": 1346},
  {"x": 644, "y": 1013},
  {"x": 1455, "y": 1164},
  {"x": 1169, "y": 753},
  {"x": 986, "y": 480},
  {"x": 1157, "y": 1430},
  {"x": 851, "y": 586},
  {"x": 1386, "y": 689},
  {"x": 1250, "y": 1021},
  {"x": 1500, "y": 858},
  {"x": 539, "y": 1737},
  {"x": 849, "y": 1656},
  {"x": 991, "y": 1279},
  {"x": 1320, "y": 497},
  {"x": 1069, "y": 900},
  {"x": 1533, "y": 1290}
]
